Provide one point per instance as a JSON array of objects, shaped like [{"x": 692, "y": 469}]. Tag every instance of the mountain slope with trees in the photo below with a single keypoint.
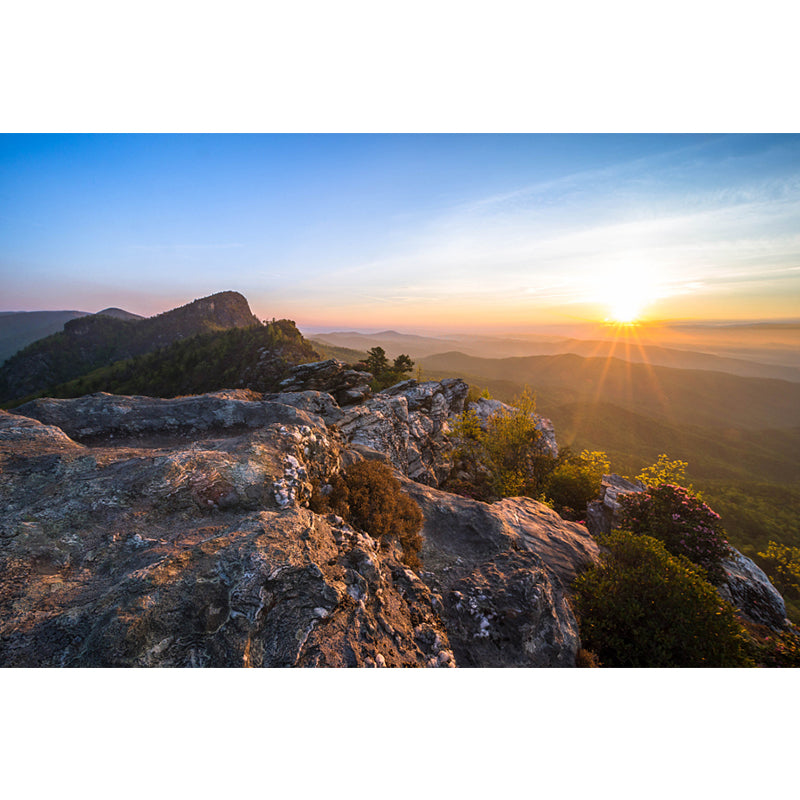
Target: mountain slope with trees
[
  {"x": 18, "y": 329},
  {"x": 98, "y": 340},
  {"x": 256, "y": 358}
]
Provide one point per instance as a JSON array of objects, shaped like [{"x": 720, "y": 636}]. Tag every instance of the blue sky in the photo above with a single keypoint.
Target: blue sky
[{"x": 460, "y": 232}]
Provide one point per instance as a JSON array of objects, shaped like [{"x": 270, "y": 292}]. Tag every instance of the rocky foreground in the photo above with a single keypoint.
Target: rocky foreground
[{"x": 145, "y": 532}]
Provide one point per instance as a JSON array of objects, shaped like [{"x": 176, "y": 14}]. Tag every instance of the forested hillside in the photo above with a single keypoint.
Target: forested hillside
[
  {"x": 19, "y": 328},
  {"x": 248, "y": 358},
  {"x": 98, "y": 340}
]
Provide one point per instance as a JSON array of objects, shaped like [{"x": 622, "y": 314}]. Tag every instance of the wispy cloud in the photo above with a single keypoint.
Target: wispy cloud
[{"x": 515, "y": 246}]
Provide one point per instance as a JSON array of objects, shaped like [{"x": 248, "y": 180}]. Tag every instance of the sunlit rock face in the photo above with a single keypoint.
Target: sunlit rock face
[
  {"x": 409, "y": 423},
  {"x": 602, "y": 515},
  {"x": 152, "y": 548},
  {"x": 145, "y": 532}
]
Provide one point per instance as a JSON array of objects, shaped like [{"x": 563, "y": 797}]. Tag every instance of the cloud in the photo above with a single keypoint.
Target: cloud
[{"x": 503, "y": 247}]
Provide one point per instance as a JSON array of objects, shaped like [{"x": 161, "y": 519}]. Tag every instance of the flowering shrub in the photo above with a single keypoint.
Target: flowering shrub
[
  {"x": 642, "y": 607},
  {"x": 686, "y": 525}
]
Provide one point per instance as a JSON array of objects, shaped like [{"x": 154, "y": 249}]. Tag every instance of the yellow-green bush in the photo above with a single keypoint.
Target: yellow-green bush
[
  {"x": 505, "y": 459},
  {"x": 575, "y": 482}
]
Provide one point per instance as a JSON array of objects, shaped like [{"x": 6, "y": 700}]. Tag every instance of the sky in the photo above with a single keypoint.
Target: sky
[{"x": 415, "y": 232}]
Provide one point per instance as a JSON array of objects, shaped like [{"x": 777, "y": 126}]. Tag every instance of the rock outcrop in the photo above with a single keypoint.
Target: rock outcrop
[
  {"x": 138, "y": 531},
  {"x": 106, "y": 415},
  {"x": 409, "y": 424},
  {"x": 502, "y": 571},
  {"x": 136, "y": 551},
  {"x": 333, "y": 377},
  {"x": 747, "y": 587},
  {"x": 145, "y": 532}
]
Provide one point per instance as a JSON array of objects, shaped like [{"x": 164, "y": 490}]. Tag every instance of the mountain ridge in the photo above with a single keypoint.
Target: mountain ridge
[
  {"x": 667, "y": 392},
  {"x": 93, "y": 341}
]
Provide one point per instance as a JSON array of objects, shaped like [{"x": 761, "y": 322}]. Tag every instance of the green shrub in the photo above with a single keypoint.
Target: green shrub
[
  {"x": 368, "y": 496},
  {"x": 683, "y": 522},
  {"x": 506, "y": 459},
  {"x": 642, "y": 607},
  {"x": 575, "y": 482}
]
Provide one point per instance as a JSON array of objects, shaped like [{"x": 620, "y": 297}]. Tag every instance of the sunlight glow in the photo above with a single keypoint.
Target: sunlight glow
[{"x": 628, "y": 290}]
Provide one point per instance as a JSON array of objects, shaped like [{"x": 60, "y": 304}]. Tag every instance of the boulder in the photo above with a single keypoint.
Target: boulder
[
  {"x": 320, "y": 403},
  {"x": 502, "y": 572},
  {"x": 602, "y": 515},
  {"x": 409, "y": 423},
  {"x": 346, "y": 385},
  {"x": 747, "y": 587},
  {"x": 565, "y": 547}
]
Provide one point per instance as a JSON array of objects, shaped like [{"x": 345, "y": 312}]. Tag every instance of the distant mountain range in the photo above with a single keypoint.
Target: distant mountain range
[
  {"x": 89, "y": 342},
  {"x": 779, "y": 365}
]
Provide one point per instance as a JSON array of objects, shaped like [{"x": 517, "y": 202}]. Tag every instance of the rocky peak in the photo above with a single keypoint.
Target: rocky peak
[
  {"x": 98, "y": 340},
  {"x": 146, "y": 532}
]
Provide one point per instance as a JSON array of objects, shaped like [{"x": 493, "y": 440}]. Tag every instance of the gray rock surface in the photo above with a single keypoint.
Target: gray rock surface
[
  {"x": 332, "y": 376},
  {"x": 565, "y": 547},
  {"x": 270, "y": 589},
  {"x": 177, "y": 533},
  {"x": 320, "y": 403},
  {"x": 409, "y": 423},
  {"x": 603, "y": 514},
  {"x": 103, "y": 415},
  {"x": 504, "y": 595},
  {"x": 195, "y": 553},
  {"x": 748, "y": 588}
]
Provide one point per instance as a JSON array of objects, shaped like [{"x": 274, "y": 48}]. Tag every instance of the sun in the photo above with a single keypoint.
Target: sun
[
  {"x": 626, "y": 308},
  {"x": 627, "y": 293}
]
